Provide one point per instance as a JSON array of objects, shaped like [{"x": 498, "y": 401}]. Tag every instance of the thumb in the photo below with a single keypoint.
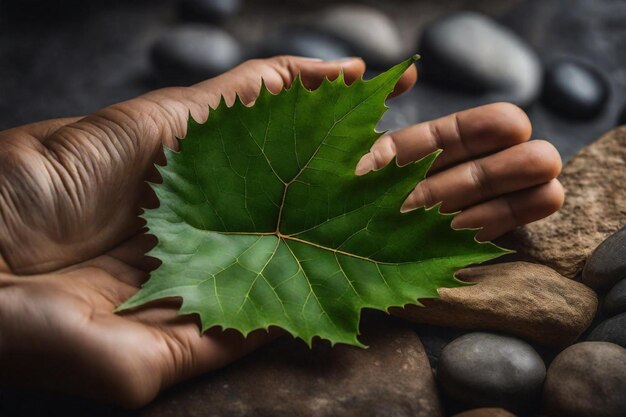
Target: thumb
[
  {"x": 313, "y": 71},
  {"x": 277, "y": 73}
]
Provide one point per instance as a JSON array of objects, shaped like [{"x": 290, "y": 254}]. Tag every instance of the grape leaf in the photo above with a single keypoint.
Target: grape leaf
[{"x": 262, "y": 221}]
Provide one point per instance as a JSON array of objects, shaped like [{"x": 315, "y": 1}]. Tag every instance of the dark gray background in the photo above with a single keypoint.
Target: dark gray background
[{"x": 70, "y": 58}]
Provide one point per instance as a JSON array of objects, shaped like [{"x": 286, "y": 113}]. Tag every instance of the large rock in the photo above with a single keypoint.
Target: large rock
[
  {"x": 587, "y": 379},
  {"x": 391, "y": 378},
  {"x": 472, "y": 52},
  {"x": 491, "y": 370},
  {"x": 528, "y": 300},
  {"x": 595, "y": 207}
]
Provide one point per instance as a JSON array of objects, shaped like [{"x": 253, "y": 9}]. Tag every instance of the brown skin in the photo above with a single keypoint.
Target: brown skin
[{"x": 72, "y": 247}]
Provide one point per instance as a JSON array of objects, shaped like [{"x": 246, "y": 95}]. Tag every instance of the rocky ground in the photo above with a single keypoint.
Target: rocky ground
[{"x": 541, "y": 333}]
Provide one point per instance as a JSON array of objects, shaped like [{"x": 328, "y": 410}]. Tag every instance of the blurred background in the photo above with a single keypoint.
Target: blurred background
[{"x": 562, "y": 60}]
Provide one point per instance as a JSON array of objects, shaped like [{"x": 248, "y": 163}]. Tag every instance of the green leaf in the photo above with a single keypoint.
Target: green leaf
[{"x": 262, "y": 221}]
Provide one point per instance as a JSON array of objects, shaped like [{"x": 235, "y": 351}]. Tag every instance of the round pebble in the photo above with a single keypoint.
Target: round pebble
[
  {"x": 192, "y": 53},
  {"x": 303, "y": 42},
  {"x": 607, "y": 264},
  {"x": 472, "y": 52},
  {"x": 211, "y": 11},
  {"x": 615, "y": 300},
  {"x": 368, "y": 33},
  {"x": 490, "y": 370},
  {"x": 575, "y": 89},
  {"x": 587, "y": 379},
  {"x": 611, "y": 330}
]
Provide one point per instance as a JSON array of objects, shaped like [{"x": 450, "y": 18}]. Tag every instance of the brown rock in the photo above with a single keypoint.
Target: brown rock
[
  {"x": 587, "y": 379},
  {"x": 520, "y": 298},
  {"x": 391, "y": 378},
  {"x": 485, "y": 412},
  {"x": 595, "y": 207}
]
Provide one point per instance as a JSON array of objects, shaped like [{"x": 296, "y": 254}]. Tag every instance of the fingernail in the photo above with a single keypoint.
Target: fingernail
[
  {"x": 365, "y": 165},
  {"x": 415, "y": 200},
  {"x": 455, "y": 223},
  {"x": 309, "y": 58}
]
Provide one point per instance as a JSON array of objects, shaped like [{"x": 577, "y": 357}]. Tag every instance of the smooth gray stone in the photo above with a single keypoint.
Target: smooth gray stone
[
  {"x": 191, "y": 53},
  {"x": 471, "y": 52},
  {"x": 575, "y": 89},
  {"x": 368, "y": 33},
  {"x": 300, "y": 41},
  {"x": 491, "y": 370},
  {"x": 615, "y": 300},
  {"x": 607, "y": 264},
  {"x": 611, "y": 330}
]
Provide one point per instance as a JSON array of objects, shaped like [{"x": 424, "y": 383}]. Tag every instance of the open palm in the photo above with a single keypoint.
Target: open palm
[{"x": 73, "y": 248}]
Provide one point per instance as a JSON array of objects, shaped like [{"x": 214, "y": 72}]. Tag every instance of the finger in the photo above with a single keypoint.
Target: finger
[
  {"x": 505, "y": 213},
  {"x": 522, "y": 166},
  {"x": 216, "y": 349},
  {"x": 462, "y": 136},
  {"x": 277, "y": 73},
  {"x": 203, "y": 352},
  {"x": 381, "y": 153},
  {"x": 37, "y": 130},
  {"x": 314, "y": 72},
  {"x": 353, "y": 68},
  {"x": 406, "y": 82}
]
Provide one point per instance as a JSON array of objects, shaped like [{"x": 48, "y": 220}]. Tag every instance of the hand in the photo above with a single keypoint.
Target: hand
[
  {"x": 488, "y": 168},
  {"x": 73, "y": 247}
]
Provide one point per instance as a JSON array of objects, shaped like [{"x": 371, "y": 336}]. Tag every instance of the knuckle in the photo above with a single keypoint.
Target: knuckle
[
  {"x": 284, "y": 61},
  {"x": 479, "y": 178},
  {"x": 378, "y": 158},
  {"x": 383, "y": 151},
  {"x": 284, "y": 67},
  {"x": 512, "y": 211},
  {"x": 428, "y": 193}
]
